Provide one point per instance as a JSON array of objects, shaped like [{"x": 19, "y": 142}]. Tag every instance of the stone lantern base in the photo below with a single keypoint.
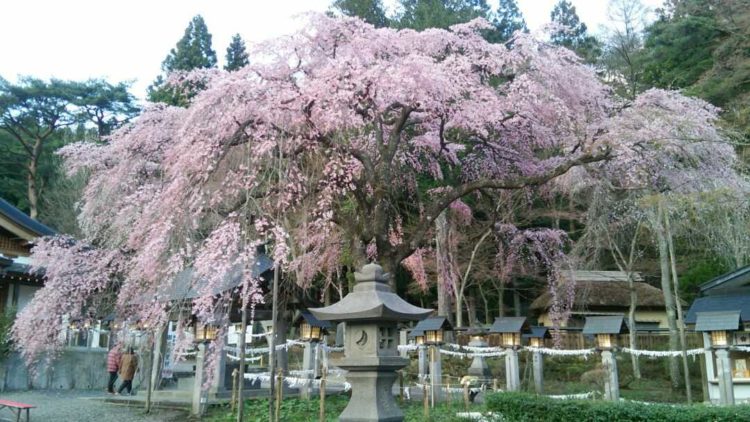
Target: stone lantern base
[
  {"x": 479, "y": 367},
  {"x": 372, "y": 382}
]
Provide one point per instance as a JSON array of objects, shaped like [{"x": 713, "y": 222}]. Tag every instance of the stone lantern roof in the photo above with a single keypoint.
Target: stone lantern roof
[{"x": 371, "y": 300}]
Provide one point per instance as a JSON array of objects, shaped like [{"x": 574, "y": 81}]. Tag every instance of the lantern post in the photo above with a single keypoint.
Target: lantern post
[
  {"x": 510, "y": 329},
  {"x": 718, "y": 325},
  {"x": 479, "y": 368},
  {"x": 536, "y": 342},
  {"x": 311, "y": 332},
  {"x": 605, "y": 330}
]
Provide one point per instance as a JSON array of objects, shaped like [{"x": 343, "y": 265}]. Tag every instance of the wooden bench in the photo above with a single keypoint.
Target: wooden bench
[{"x": 16, "y": 408}]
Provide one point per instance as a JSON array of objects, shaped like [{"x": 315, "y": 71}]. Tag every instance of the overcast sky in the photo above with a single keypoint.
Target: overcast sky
[{"x": 128, "y": 40}]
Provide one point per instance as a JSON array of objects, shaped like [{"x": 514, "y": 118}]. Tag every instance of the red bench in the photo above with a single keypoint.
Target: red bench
[{"x": 16, "y": 408}]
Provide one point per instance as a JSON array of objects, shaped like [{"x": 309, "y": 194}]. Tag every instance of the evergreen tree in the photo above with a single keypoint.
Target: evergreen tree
[
  {"x": 193, "y": 51},
  {"x": 507, "y": 20},
  {"x": 575, "y": 35},
  {"x": 370, "y": 11},
  {"x": 564, "y": 13},
  {"x": 423, "y": 14},
  {"x": 236, "y": 54}
]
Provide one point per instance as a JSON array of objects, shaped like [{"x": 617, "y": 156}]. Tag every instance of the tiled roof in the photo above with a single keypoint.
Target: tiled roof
[{"x": 611, "y": 324}]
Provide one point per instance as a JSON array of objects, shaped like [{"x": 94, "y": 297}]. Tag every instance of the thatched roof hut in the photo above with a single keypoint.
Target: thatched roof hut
[{"x": 607, "y": 293}]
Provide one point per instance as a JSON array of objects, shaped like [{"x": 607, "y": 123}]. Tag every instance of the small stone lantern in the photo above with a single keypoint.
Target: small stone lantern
[
  {"x": 717, "y": 324},
  {"x": 311, "y": 329},
  {"x": 433, "y": 329},
  {"x": 605, "y": 329},
  {"x": 371, "y": 312},
  {"x": 311, "y": 332},
  {"x": 510, "y": 330},
  {"x": 536, "y": 341},
  {"x": 478, "y": 338},
  {"x": 204, "y": 332}
]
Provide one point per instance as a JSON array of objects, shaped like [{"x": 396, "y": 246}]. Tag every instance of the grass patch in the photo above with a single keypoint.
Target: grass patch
[{"x": 297, "y": 410}]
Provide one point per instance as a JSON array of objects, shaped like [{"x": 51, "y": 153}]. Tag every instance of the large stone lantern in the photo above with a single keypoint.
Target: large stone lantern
[{"x": 371, "y": 312}]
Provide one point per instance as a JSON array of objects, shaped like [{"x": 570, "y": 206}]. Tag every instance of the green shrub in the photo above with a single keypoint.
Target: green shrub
[{"x": 517, "y": 407}]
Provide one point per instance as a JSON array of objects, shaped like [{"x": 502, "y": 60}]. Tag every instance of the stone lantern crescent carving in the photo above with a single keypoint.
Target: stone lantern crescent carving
[{"x": 371, "y": 311}]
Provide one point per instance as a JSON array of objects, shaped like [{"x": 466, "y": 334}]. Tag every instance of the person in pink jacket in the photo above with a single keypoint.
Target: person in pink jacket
[{"x": 113, "y": 365}]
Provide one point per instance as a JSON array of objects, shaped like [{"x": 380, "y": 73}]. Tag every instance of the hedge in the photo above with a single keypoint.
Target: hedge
[{"x": 519, "y": 407}]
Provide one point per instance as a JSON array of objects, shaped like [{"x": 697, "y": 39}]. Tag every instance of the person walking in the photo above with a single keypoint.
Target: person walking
[
  {"x": 113, "y": 365},
  {"x": 128, "y": 366}
]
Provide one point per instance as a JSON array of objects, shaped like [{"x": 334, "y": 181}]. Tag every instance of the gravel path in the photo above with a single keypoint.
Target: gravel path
[{"x": 83, "y": 406}]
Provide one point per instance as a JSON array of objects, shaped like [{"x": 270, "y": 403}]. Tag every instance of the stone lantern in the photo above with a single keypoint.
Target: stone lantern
[
  {"x": 431, "y": 333},
  {"x": 510, "y": 330},
  {"x": 311, "y": 331},
  {"x": 717, "y": 324},
  {"x": 478, "y": 338},
  {"x": 606, "y": 329},
  {"x": 371, "y": 312}
]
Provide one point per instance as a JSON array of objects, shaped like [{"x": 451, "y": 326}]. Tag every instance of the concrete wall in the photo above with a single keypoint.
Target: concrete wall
[{"x": 76, "y": 368}]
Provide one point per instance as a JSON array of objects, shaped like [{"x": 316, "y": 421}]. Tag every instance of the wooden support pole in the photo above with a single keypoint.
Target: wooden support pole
[
  {"x": 401, "y": 386},
  {"x": 322, "y": 415},
  {"x": 279, "y": 393},
  {"x": 466, "y": 396},
  {"x": 233, "y": 402},
  {"x": 426, "y": 401}
]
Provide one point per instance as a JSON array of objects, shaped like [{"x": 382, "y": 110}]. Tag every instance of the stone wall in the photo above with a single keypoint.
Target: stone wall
[{"x": 77, "y": 368}]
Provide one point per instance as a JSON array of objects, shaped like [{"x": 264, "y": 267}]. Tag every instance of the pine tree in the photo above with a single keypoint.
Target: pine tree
[
  {"x": 564, "y": 13},
  {"x": 193, "y": 51},
  {"x": 507, "y": 20},
  {"x": 423, "y": 14},
  {"x": 236, "y": 54},
  {"x": 370, "y": 11},
  {"x": 574, "y": 36}
]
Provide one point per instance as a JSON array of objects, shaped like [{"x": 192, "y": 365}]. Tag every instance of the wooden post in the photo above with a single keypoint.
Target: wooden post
[
  {"x": 704, "y": 378},
  {"x": 233, "y": 401},
  {"x": 279, "y": 393},
  {"x": 322, "y": 416},
  {"x": 242, "y": 344},
  {"x": 494, "y": 384},
  {"x": 155, "y": 367},
  {"x": 272, "y": 346},
  {"x": 401, "y": 386},
  {"x": 198, "y": 383},
  {"x": 466, "y": 396},
  {"x": 426, "y": 401},
  {"x": 448, "y": 395}
]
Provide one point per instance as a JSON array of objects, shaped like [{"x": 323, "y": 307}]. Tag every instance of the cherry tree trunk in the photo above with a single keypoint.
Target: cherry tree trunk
[{"x": 443, "y": 294}]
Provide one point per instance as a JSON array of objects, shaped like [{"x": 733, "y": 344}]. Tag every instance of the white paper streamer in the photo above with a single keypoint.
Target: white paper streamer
[
  {"x": 247, "y": 359},
  {"x": 263, "y": 350},
  {"x": 406, "y": 347},
  {"x": 662, "y": 353},
  {"x": 445, "y": 388},
  {"x": 589, "y": 395},
  {"x": 329, "y": 349},
  {"x": 472, "y": 355},
  {"x": 560, "y": 352},
  {"x": 475, "y": 349},
  {"x": 297, "y": 382},
  {"x": 741, "y": 348}
]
